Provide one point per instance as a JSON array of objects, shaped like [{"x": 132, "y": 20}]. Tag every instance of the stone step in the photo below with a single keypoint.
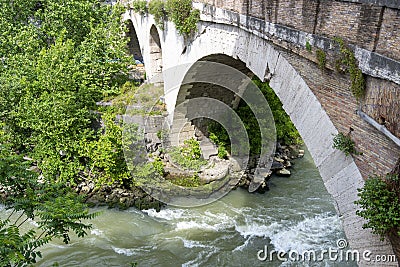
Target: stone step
[
  {"x": 182, "y": 128},
  {"x": 208, "y": 149}
]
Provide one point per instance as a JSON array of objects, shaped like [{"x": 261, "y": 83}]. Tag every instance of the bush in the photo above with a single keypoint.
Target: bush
[
  {"x": 188, "y": 156},
  {"x": 156, "y": 8},
  {"x": 344, "y": 143},
  {"x": 380, "y": 206},
  {"x": 158, "y": 166},
  {"x": 140, "y": 6},
  {"x": 183, "y": 15}
]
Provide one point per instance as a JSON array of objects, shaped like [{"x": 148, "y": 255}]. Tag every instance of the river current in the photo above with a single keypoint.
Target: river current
[{"x": 297, "y": 214}]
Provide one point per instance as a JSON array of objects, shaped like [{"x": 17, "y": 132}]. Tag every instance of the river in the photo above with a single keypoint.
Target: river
[{"x": 296, "y": 214}]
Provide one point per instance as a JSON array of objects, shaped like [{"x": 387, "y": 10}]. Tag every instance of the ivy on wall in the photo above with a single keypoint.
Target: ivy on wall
[{"x": 347, "y": 63}]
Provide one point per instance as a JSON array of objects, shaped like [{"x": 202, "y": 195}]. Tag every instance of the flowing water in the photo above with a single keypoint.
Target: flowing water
[{"x": 296, "y": 214}]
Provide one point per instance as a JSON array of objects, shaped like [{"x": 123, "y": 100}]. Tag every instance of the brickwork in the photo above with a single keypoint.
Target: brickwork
[
  {"x": 355, "y": 23},
  {"x": 239, "y": 6},
  {"x": 332, "y": 90},
  {"x": 389, "y": 41},
  {"x": 298, "y": 14},
  {"x": 382, "y": 102}
]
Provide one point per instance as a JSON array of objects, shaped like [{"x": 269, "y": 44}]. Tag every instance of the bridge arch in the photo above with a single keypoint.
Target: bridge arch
[
  {"x": 268, "y": 62},
  {"x": 340, "y": 174}
]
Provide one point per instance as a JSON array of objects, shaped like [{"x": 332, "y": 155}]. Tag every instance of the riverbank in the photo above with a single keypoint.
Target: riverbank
[{"x": 122, "y": 197}]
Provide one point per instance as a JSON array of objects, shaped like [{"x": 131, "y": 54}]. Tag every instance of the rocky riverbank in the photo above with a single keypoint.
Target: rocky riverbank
[
  {"x": 117, "y": 196},
  {"x": 281, "y": 165},
  {"x": 122, "y": 197}
]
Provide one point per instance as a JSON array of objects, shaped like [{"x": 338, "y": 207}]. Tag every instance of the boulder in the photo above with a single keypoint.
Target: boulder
[{"x": 283, "y": 172}]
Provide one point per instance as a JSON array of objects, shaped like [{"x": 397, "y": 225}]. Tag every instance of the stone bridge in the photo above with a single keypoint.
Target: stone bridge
[{"x": 271, "y": 39}]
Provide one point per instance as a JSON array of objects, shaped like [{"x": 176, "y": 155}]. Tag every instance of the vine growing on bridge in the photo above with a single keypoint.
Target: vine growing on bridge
[
  {"x": 347, "y": 63},
  {"x": 140, "y": 6},
  {"x": 321, "y": 57},
  {"x": 181, "y": 13}
]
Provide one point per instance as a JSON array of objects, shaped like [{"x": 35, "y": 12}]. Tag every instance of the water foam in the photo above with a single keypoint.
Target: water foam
[
  {"x": 97, "y": 232},
  {"x": 167, "y": 214},
  {"x": 311, "y": 233}
]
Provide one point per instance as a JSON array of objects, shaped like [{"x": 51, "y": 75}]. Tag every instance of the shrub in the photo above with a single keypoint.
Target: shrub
[
  {"x": 140, "y": 6},
  {"x": 188, "y": 156},
  {"x": 158, "y": 166},
  {"x": 344, "y": 143},
  {"x": 156, "y": 8},
  {"x": 222, "y": 153},
  {"x": 380, "y": 205}
]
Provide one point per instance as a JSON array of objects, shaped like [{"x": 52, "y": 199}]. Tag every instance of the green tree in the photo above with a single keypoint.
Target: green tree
[
  {"x": 55, "y": 207},
  {"x": 57, "y": 59}
]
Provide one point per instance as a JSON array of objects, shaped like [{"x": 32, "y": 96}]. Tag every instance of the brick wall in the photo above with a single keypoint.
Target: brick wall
[
  {"x": 382, "y": 102},
  {"x": 368, "y": 24},
  {"x": 389, "y": 39},
  {"x": 298, "y": 14}
]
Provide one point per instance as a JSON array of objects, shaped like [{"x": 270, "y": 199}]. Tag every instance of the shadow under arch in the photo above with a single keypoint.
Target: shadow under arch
[
  {"x": 134, "y": 47},
  {"x": 218, "y": 82}
]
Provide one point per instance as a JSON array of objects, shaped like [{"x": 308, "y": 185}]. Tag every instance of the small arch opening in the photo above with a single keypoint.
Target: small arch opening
[
  {"x": 155, "y": 52},
  {"x": 133, "y": 43}
]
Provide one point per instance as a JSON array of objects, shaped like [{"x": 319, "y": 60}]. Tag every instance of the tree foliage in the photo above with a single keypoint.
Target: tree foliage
[
  {"x": 285, "y": 129},
  {"x": 55, "y": 207},
  {"x": 183, "y": 15},
  {"x": 157, "y": 9},
  {"x": 57, "y": 60}
]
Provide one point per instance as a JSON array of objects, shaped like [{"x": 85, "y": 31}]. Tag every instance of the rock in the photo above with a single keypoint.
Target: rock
[
  {"x": 283, "y": 172},
  {"x": 288, "y": 164},
  {"x": 279, "y": 160},
  {"x": 263, "y": 188},
  {"x": 276, "y": 166},
  {"x": 34, "y": 169},
  {"x": 85, "y": 189}
]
